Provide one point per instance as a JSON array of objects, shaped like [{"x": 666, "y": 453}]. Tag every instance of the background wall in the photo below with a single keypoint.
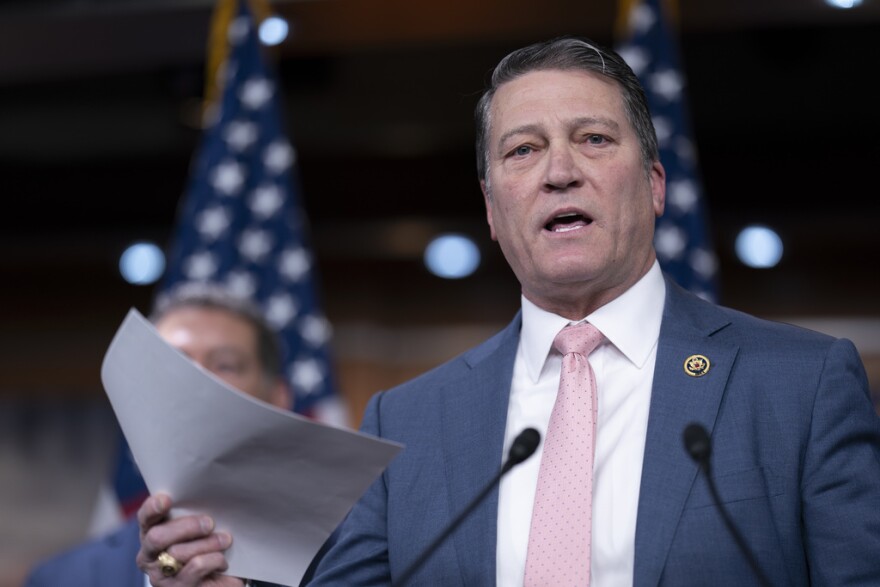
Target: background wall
[{"x": 97, "y": 103}]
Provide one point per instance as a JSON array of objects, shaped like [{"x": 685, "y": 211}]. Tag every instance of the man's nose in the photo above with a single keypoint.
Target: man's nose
[{"x": 562, "y": 168}]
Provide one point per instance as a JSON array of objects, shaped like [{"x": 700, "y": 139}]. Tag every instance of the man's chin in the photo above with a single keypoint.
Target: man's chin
[{"x": 570, "y": 271}]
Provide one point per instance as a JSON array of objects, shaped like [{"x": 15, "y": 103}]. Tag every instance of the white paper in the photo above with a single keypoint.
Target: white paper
[{"x": 279, "y": 483}]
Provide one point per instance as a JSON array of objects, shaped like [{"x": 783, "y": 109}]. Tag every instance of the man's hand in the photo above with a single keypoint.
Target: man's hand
[{"x": 191, "y": 540}]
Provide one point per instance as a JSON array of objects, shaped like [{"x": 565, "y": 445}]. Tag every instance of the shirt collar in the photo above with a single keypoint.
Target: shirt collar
[{"x": 631, "y": 322}]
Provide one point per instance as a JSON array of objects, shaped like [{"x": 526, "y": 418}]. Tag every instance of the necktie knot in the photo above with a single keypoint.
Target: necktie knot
[{"x": 581, "y": 339}]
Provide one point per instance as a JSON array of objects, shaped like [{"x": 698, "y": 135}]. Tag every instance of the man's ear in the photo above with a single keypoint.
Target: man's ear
[
  {"x": 658, "y": 188},
  {"x": 487, "y": 199}
]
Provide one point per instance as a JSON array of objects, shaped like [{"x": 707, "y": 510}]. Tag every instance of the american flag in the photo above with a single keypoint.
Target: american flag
[
  {"x": 240, "y": 223},
  {"x": 682, "y": 238}
]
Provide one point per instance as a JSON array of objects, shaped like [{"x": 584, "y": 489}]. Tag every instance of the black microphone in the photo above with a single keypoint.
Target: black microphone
[
  {"x": 523, "y": 447},
  {"x": 699, "y": 447}
]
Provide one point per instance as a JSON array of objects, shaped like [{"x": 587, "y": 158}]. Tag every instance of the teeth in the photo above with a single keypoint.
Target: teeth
[{"x": 568, "y": 215}]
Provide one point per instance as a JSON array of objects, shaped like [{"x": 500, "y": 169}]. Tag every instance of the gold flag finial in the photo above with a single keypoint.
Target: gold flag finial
[
  {"x": 624, "y": 11},
  {"x": 218, "y": 42}
]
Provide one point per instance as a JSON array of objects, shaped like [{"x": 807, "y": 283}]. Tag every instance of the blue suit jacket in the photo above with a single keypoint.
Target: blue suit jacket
[
  {"x": 796, "y": 459},
  {"x": 104, "y": 562}
]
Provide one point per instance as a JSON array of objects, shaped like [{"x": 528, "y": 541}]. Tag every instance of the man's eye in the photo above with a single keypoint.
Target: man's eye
[
  {"x": 596, "y": 139},
  {"x": 228, "y": 367},
  {"x": 522, "y": 150}
]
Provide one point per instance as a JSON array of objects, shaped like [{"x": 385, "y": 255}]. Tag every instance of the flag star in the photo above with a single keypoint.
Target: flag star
[
  {"x": 238, "y": 30},
  {"x": 636, "y": 57},
  {"x": 294, "y": 263},
  {"x": 670, "y": 241},
  {"x": 704, "y": 262},
  {"x": 280, "y": 310},
  {"x": 642, "y": 18},
  {"x": 279, "y": 156},
  {"x": 307, "y": 375},
  {"x": 200, "y": 266},
  {"x": 228, "y": 177},
  {"x": 682, "y": 195},
  {"x": 256, "y": 92},
  {"x": 255, "y": 244},
  {"x": 664, "y": 129},
  {"x": 315, "y": 330},
  {"x": 240, "y": 134},
  {"x": 266, "y": 200},
  {"x": 667, "y": 83},
  {"x": 212, "y": 222},
  {"x": 241, "y": 283}
]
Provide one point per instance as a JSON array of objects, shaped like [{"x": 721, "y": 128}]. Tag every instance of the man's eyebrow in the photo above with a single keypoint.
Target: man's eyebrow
[
  {"x": 519, "y": 130},
  {"x": 226, "y": 351},
  {"x": 610, "y": 123},
  {"x": 579, "y": 122}
]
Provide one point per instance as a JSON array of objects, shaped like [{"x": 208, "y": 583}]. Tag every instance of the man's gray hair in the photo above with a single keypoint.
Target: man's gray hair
[
  {"x": 568, "y": 53},
  {"x": 218, "y": 297}
]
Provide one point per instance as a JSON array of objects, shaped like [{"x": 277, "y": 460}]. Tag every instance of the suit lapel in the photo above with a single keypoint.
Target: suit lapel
[
  {"x": 677, "y": 399},
  {"x": 474, "y": 419}
]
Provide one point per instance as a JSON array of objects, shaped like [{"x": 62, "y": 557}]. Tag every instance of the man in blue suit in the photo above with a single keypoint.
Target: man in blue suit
[
  {"x": 568, "y": 164},
  {"x": 228, "y": 337}
]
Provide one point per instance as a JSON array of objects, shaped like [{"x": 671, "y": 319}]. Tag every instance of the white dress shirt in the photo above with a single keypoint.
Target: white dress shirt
[{"x": 624, "y": 368}]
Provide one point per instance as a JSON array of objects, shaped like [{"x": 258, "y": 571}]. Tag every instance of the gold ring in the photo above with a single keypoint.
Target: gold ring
[{"x": 170, "y": 565}]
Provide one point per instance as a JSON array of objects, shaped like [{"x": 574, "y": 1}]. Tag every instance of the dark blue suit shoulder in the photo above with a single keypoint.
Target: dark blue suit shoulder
[{"x": 104, "y": 561}]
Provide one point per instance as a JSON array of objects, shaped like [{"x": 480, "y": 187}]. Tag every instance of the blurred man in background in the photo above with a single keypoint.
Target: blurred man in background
[{"x": 227, "y": 336}]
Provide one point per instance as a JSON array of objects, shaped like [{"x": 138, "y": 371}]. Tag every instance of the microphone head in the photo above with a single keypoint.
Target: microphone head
[
  {"x": 524, "y": 446},
  {"x": 697, "y": 443}
]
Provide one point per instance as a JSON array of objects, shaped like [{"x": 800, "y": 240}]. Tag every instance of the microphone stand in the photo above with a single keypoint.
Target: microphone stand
[
  {"x": 698, "y": 445},
  {"x": 521, "y": 449}
]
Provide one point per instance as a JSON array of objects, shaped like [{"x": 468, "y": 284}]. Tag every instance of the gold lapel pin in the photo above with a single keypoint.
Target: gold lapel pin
[{"x": 696, "y": 365}]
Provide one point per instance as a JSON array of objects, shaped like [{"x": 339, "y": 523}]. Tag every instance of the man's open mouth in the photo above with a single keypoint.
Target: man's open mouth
[{"x": 568, "y": 221}]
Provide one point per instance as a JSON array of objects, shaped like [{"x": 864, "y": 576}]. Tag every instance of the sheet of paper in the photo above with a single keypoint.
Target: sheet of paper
[{"x": 278, "y": 482}]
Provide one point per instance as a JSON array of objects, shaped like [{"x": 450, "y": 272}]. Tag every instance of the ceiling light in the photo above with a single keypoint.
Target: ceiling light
[
  {"x": 843, "y": 3},
  {"x": 759, "y": 247},
  {"x": 142, "y": 263},
  {"x": 273, "y": 30},
  {"x": 452, "y": 256}
]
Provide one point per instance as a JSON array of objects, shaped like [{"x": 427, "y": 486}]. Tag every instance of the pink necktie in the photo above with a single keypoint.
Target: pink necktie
[{"x": 559, "y": 539}]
